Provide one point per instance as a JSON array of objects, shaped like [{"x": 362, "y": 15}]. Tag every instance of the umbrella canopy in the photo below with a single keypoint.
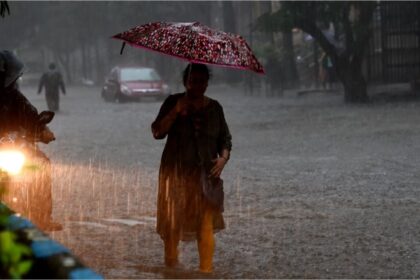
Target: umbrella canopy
[{"x": 193, "y": 42}]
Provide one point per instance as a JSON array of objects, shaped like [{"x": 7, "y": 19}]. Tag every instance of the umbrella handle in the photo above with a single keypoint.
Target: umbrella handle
[{"x": 122, "y": 47}]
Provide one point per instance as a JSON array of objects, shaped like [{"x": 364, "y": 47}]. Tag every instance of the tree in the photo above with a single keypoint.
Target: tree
[{"x": 351, "y": 21}]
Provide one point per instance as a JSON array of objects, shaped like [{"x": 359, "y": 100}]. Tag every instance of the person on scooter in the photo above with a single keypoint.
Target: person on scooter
[{"x": 18, "y": 114}]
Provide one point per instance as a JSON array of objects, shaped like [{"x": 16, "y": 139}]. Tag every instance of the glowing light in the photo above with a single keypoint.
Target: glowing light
[
  {"x": 11, "y": 161},
  {"x": 14, "y": 199}
]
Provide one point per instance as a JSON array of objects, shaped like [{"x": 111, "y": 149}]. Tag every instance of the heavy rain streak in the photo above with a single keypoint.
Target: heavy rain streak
[{"x": 322, "y": 179}]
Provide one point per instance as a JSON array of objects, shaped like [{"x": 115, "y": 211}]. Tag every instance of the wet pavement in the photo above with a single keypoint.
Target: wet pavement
[{"x": 314, "y": 188}]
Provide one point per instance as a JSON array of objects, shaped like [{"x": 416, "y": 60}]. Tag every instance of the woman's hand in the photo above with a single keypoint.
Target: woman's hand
[
  {"x": 219, "y": 164},
  {"x": 46, "y": 135},
  {"x": 182, "y": 105}
]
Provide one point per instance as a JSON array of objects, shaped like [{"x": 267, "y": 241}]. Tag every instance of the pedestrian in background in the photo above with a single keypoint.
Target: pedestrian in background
[
  {"x": 274, "y": 74},
  {"x": 52, "y": 80},
  {"x": 326, "y": 72}
]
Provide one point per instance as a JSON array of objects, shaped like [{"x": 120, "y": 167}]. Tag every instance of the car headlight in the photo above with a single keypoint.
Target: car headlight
[
  {"x": 124, "y": 89},
  {"x": 12, "y": 161}
]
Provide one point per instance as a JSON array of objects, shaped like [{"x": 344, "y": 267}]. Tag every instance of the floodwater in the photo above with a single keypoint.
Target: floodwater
[{"x": 314, "y": 188}]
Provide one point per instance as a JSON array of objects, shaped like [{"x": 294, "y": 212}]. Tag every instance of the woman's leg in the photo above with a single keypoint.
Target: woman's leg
[
  {"x": 171, "y": 249},
  {"x": 206, "y": 242}
]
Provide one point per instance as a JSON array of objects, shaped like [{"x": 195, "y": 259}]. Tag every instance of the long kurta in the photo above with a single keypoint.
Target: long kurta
[{"x": 189, "y": 152}]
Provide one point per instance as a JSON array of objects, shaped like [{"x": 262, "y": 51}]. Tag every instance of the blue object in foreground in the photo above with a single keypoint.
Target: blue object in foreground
[
  {"x": 16, "y": 223},
  {"x": 47, "y": 248},
  {"x": 84, "y": 273},
  {"x": 48, "y": 255}
]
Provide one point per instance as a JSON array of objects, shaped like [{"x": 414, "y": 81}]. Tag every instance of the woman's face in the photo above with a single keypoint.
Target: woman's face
[{"x": 196, "y": 84}]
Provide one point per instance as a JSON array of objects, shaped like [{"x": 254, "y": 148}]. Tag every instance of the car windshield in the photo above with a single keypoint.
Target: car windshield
[{"x": 139, "y": 74}]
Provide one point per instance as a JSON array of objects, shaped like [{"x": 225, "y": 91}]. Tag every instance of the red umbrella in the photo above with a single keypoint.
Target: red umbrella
[{"x": 193, "y": 42}]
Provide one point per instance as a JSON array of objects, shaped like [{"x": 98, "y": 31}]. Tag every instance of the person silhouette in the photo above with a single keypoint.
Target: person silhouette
[
  {"x": 190, "y": 198},
  {"x": 52, "y": 80}
]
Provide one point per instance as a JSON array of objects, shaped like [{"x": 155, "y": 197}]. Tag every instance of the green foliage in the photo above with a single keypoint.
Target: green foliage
[
  {"x": 14, "y": 262},
  {"x": 295, "y": 13},
  {"x": 12, "y": 255},
  {"x": 314, "y": 16},
  {"x": 352, "y": 30}
]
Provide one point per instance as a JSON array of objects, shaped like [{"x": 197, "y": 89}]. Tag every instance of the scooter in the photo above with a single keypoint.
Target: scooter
[{"x": 25, "y": 175}]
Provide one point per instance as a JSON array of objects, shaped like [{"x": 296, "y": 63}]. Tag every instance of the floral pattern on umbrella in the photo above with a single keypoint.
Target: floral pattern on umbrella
[{"x": 194, "y": 42}]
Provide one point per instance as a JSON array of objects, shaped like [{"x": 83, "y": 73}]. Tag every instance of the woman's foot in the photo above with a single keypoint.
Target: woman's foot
[{"x": 207, "y": 270}]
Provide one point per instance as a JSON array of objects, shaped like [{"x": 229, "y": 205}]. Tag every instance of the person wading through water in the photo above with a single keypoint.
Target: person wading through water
[
  {"x": 198, "y": 145},
  {"x": 52, "y": 81}
]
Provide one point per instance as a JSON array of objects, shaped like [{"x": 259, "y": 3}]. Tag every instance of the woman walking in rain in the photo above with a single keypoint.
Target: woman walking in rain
[{"x": 190, "y": 198}]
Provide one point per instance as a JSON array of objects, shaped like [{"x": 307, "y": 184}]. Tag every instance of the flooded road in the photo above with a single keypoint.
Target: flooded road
[{"x": 314, "y": 188}]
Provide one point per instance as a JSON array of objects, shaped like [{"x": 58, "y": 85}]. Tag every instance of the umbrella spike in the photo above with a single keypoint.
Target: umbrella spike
[{"x": 122, "y": 47}]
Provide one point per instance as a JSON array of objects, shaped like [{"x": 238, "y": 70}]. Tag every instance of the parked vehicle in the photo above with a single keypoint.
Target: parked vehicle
[
  {"x": 132, "y": 84},
  {"x": 25, "y": 175}
]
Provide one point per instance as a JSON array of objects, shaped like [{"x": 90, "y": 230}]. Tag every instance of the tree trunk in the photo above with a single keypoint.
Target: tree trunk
[
  {"x": 64, "y": 60},
  {"x": 355, "y": 87},
  {"x": 289, "y": 61},
  {"x": 84, "y": 59},
  {"x": 229, "y": 25},
  {"x": 355, "y": 90},
  {"x": 99, "y": 65},
  {"x": 316, "y": 64}
]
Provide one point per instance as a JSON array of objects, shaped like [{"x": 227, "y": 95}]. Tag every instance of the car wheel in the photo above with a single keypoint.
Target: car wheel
[{"x": 118, "y": 98}]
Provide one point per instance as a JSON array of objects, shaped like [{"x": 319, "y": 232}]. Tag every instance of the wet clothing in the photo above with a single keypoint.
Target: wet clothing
[
  {"x": 17, "y": 113},
  {"x": 194, "y": 140},
  {"x": 52, "y": 81}
]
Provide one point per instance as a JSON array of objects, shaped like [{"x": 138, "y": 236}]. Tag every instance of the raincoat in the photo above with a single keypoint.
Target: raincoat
[{"x": 186, "y": 162}]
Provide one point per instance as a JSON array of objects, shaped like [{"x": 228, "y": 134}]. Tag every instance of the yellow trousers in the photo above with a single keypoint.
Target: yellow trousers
[{"x": 205, "y": 244}]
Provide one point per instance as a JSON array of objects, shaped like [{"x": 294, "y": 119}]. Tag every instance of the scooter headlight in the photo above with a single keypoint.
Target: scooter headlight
[{"x": 12, "y": 161}]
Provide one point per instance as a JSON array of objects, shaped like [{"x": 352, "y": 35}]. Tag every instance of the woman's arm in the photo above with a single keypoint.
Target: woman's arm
[
  {"x": 168, "y": 113},
  {"x": 225, "y": 154},
  {"x": 224, "y": 144},
  {"x": 161, "y": 127}
]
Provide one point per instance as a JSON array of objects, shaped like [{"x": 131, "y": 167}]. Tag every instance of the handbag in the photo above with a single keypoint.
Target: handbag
[{"x": 213, "y": 190}]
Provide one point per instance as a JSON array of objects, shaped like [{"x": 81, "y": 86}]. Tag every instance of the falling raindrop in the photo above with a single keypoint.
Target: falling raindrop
[
  {"x": 98, "y": 209},
  {"x": 128, "y": 204}
]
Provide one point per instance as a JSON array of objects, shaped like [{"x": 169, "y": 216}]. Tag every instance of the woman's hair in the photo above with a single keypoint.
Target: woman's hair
[{"x": 194, "y": 67}]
